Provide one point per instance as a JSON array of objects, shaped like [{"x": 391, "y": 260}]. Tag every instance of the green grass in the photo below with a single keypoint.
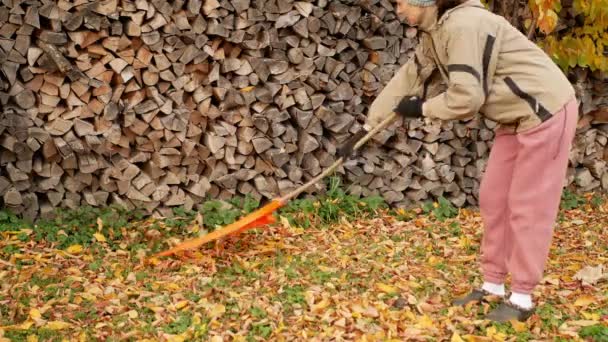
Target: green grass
[
  {"x": 180, "y": 325},
  {"x": 77, "y": 227},
  {"x": 571, "y": 200},
  {"x": 442, "y": 211},
  {"x": 597, "y": 333},
  {"x": 330, "y": 207}
]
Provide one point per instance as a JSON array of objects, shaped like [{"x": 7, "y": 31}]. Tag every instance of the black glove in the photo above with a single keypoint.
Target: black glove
[
  {"x": 346, "y": 150},
  {"x": 410, "y": 107}
]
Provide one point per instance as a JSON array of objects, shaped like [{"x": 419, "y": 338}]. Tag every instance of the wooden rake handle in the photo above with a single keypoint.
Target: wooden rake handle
[{"x": 382, "y": 125}]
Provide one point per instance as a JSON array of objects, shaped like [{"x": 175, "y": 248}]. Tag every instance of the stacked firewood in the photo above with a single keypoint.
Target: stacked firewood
[{"x": 157, "y": 104}]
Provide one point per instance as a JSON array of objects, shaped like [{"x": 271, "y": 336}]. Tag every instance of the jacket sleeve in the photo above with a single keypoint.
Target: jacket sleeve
[
  {"x": 465, "y": 93},
  {"x": 408, "y": 81}
]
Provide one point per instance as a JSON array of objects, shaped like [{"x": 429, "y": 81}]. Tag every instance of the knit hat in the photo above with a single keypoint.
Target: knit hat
[{"x": 422, "y": 3}]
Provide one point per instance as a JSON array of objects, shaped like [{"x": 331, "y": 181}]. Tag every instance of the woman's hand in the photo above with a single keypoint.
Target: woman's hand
[{"x": 410, "y": 107}]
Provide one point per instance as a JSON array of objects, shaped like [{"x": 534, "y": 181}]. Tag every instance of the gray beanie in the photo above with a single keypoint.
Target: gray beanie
[{"x": 422, "y": 3}]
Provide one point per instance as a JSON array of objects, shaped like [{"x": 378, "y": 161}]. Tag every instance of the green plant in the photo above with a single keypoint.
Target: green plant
[
  {"x": 218, "y": 213},
  {"x": 331, "y": 206},
  {"x": 78, "y": 226},
  {"x": 597, "y": 333},
  {"x": 179, "y": 325},
  {"x": 263, "y": 330},
  {"x": 10, "y": 221},
  {"x": 441, "y": 210},
  {"x": 258, "y": 312},
  {"x": 570, "y": 200}
]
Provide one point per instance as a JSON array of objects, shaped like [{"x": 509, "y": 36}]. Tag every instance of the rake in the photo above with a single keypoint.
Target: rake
[{"x": 263, "y": 215}]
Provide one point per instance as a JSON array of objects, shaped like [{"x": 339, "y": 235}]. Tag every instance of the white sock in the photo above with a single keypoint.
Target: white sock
[
  {"x": 521, "y": 300},
  {"x": 495, "y": 289}
]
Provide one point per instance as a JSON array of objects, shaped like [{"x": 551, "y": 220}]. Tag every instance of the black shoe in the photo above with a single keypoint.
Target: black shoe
[
  {"x": 508, "y": 311},
  {"x": 477, "y": 295}
]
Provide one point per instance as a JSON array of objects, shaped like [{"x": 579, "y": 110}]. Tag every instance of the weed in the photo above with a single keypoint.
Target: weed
[
  {"x": 597, "y": 333},
  {"x": 180, "y": 325},
  {"x": 263, "y": 330},
  {"x": 331, "y": 206},
  {"x": 42, "y": 334},
  {"x": 291, "y": 273},
  {"x": 455, "y": 229},
  {"x": 293, "y": 295},
  {"x": 10, "y": 221},
  {"x": 258, "y": 312},
  {"x": 441, "y": 210},
  {"x": 571, "y": 200},
  {"x": 550, "y": 317},
  {"x": 597, "y": 201},
  {"x": 11, "y": 249},
  {"x": 322, "y": 277},
  {"x": 96, "y": 265}
]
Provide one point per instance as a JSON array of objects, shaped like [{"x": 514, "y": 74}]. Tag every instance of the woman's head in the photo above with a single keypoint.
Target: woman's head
[{"x": 413, "y": 11}]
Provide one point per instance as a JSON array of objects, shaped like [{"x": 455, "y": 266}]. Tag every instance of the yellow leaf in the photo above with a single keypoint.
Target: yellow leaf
[
  {"x": 22, "y": 326},
  {"x": 32, "y": 338},
  {"x": 585, "y": 301},
  {"x": 176, "y": 338},
  {"x": 493, "y": 333},
  {"x": 133, "y": 314},
  {"x": 180, "y": 305},
  {"x": 320, "y": 306},
  {"x": 387, "y": 288},
  {"x": 217, "y": 310},
  {"x": 519, "y": 326},
  {"x": 99, "y": 237},
  {"x": 583, "y": 323},
  {"x": 591, "y": 316},
  {"x": 247, "y": 89},
  {"x": 156, "y": 309},
  {"x": 153, "y": 261},
  {"x": 99, "y": 223},
  {"x": 425, "y": 322},
  {"x": 74, "y": 249},
  {"x": 57, "y": 325},
  {"x": 172, "y": 286},
  {"x": 35, "y": 314},
  {"x": 456, "y": 338}
]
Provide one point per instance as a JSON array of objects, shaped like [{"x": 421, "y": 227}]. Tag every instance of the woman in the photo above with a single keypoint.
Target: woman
[{"x": 491, "y": 68}]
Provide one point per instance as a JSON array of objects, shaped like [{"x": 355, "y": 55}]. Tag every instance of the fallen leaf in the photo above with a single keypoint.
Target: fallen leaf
[
  {"x": 320, "y": 306},
  {"x": 180, "y": 305},
  {"x": 32, "y": 338},
  {"x": 585, "y": 301},
  {"x": 456, "y": 337},
  {"x": 74, "y": 249},
  {"x": 217, "y": 310},
  {"x": 494, "y": 334},
  {"x": 583, "y": 323},
  {"x": 591, "y": 316},
  {"x": 519, "y": 326},
  {"x": 35, "y": 314},
  {"x": 425, "y": 322},
  {"x": 389, "y": 289},
  {"x": 57, "y": 325},
  {"x": 99, "y": 237},
  {"x": 591, "y": 275}
]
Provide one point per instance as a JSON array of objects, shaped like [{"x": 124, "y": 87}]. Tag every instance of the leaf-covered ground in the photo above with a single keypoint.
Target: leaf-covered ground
[{"x": 378, "y": 279}]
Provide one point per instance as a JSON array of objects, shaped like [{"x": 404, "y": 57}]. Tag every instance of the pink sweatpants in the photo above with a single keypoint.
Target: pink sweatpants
[{"x": 520, "y": 196}]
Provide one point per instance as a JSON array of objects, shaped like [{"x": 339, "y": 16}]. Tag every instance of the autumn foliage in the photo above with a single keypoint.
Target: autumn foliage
[{"x": 573, "y": 36}]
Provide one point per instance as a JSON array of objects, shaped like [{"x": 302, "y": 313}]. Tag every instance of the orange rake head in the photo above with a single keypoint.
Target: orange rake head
[{"x": 257, "y": 218}]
